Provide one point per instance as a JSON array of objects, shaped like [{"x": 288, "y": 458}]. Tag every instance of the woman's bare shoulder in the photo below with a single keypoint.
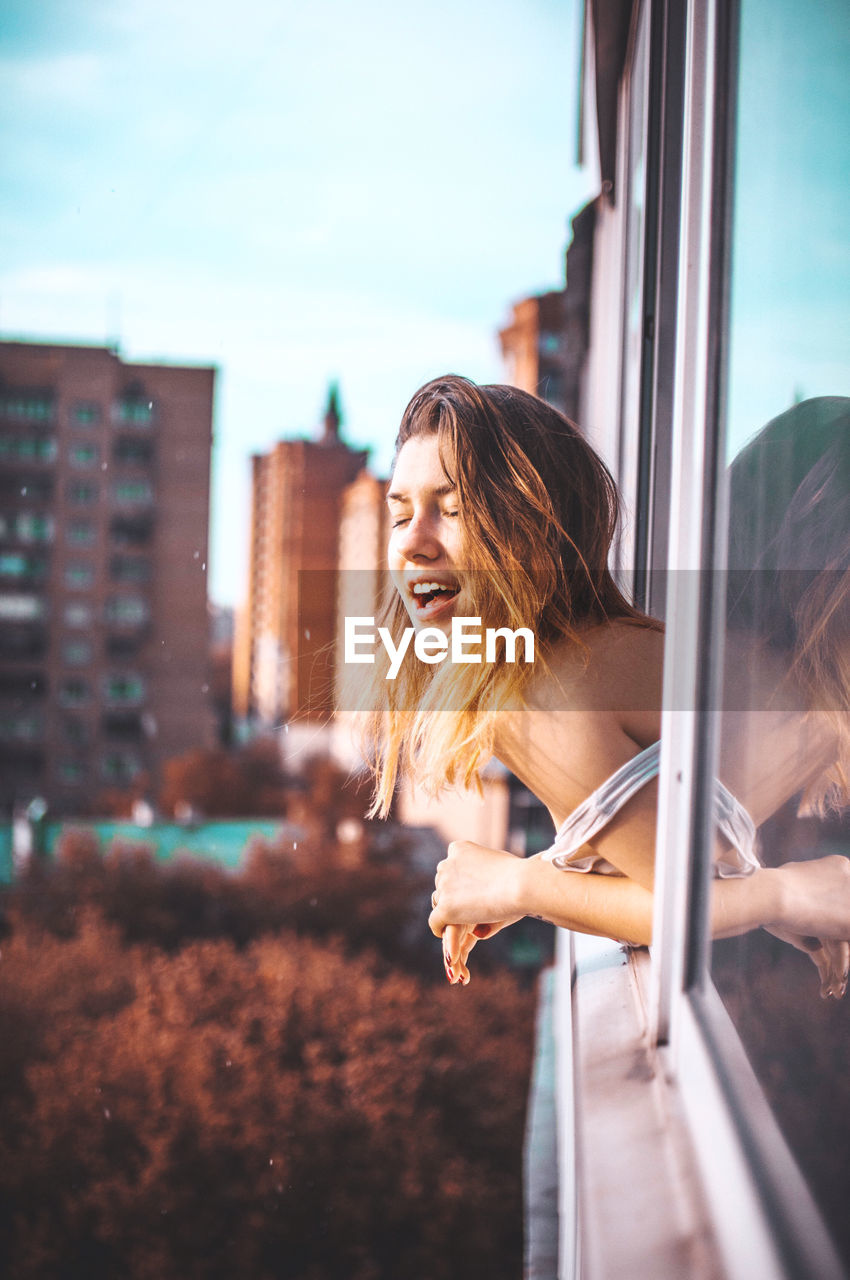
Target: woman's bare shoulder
[
  {"x": 616, "y": 669},
  {"x": 627, "y": 651},
  {"x": 588, "y": 709}
]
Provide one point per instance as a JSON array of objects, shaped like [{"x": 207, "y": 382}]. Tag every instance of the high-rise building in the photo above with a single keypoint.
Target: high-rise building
[
  {"x": 283, "y": 660},
  {"x": 104, "y": 508}
]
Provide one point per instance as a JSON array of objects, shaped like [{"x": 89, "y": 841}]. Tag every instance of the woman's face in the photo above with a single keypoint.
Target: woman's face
[{"x": 425, "y": 547}]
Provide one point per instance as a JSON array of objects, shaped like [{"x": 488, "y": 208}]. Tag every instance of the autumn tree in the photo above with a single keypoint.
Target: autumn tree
[
  {"x": 284, "y": 1111},
  {"x": 218, "y": 783}
]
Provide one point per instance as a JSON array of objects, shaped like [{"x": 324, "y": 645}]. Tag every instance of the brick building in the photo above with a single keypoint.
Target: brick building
[
  {"x": 283, "y": 660},
  {"x": 104, "y": 509}
]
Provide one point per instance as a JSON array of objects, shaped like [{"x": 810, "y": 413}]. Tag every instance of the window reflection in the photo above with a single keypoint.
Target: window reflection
[{"x": 785, "y": 721}]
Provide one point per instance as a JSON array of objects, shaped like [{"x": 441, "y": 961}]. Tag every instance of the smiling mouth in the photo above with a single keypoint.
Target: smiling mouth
[{"x": 431, "y": 596}]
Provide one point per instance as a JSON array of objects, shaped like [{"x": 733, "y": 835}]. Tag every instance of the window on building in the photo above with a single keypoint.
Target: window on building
[
  {"x": 25, "y": 642},
  {"x": 125, "y": 725},
  {"x": 132, "y": 450},
  {"x": 17, "y": 564},
  {"x": 77, "y": 653},
  {"x": 74, "y": 692},
  {"x": 22, "y": 608},
  {"x": 80, "y": 533},
  {"x": 28, "y": 448},
  {"x": 26, "y": 526},
  {"x": 39, "y": 488},
  {"x": 78, "y": 614},
  {"x": 82, "y": 493},
  {"x": 124, "y": 645},
  {"x": 79, "y": 574},
  {"x": 128, "y": 492},
  {"x": 131, "y": 530},
  {"x": 23, "y": 684},
  {"x": 85, "y": 413},
  {"x": 84, "y": 455},
  {"x": 129, "y": 569},
  {"x": 27, "y": 406},
  {"x": 134, "y": 411},
  {"x": 126, "y": 610},
  {"x": 12, "y": 564},
  {"x": 120, "y": 767},
  {"x": 126, "y": 689}
]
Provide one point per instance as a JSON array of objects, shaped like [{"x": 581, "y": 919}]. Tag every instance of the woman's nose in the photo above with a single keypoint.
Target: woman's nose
[{"x": 419, "y": 538}]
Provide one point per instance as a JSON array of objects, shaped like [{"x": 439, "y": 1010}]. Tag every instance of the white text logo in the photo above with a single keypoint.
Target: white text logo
[{"x": 432, "y": 645}]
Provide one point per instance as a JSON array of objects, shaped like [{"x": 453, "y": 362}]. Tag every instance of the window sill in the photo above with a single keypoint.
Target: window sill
[{"x": 620, "y": 1195}]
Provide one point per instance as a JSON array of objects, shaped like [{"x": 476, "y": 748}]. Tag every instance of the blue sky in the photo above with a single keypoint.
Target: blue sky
[
  {"x": 791, "y": 252},
  {"x": 293, "y": 192}
]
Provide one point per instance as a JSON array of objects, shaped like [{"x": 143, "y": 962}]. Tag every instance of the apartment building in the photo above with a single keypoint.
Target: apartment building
[{"x": 104, "y": 510}]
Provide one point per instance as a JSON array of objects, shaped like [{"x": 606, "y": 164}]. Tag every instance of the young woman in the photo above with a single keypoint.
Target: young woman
[{"x": 502, "y": 512}]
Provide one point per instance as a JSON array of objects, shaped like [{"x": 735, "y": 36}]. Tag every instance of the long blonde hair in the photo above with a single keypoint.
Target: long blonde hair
[{"x": 538, "y": 512}]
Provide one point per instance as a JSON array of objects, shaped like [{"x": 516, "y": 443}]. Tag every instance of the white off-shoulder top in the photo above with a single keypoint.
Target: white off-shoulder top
[{"x": 733, "y": 821}]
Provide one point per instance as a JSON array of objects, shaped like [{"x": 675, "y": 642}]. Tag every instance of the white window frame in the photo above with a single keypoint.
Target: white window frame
[
  {"x": 764, "y": 1218},
  {"x": 669, "y": 1153}
]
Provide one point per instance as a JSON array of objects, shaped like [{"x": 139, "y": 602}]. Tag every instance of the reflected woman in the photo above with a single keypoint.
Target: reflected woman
[{"x": 502, "y": 512}]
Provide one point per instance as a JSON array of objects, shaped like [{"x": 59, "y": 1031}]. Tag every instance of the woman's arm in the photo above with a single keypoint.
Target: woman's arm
[{"x": 476, "y": 885}]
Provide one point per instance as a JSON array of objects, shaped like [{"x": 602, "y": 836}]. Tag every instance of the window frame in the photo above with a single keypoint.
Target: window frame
[{"x": 765, "y": 1218}]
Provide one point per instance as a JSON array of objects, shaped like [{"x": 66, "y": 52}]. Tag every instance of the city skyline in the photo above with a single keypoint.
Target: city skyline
[{"x": 297, "y": 196}]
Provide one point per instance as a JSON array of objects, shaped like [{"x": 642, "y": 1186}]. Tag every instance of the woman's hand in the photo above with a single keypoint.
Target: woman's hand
[
  {"x": 813, "y": 898},
  {"x": 458, "y": 941},
  {"x": 814, "y": 916},
  {"x": 478, "y": 892},
  {"x": 831, "y": 959}
]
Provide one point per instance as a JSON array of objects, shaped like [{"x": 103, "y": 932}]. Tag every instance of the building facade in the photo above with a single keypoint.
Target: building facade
[
  {"x": 283, "y": 661},
  {"x": 104, "y": 470}
]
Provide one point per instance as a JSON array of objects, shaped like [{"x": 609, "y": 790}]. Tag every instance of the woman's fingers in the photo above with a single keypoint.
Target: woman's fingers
[
  {"x": 454, "y": 954},
  {"x": 437, "y": 921},
  {"x": 458, "y": 941},
  {"x": 831, "y": 958}
]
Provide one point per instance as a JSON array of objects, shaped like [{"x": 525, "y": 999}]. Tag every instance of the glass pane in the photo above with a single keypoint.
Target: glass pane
[
  {"x": 784, "y": 727},
  {"x": 633, "y": 310}
]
